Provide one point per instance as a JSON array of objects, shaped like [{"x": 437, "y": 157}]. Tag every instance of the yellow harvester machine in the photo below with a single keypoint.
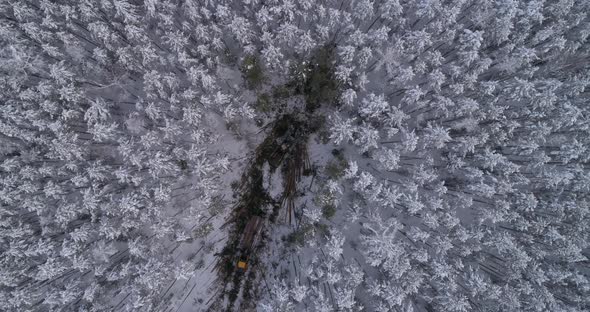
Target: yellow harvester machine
[{"x": 249, "y": 236}]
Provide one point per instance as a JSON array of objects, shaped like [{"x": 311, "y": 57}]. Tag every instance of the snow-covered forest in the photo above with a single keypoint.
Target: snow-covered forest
[{"x": 295, "y": 155}]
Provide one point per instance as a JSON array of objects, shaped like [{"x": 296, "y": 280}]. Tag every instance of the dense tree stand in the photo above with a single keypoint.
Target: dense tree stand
[{"x": 383, "y": 155}]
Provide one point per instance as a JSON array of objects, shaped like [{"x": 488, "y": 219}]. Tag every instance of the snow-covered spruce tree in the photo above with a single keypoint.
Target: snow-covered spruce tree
[{"x": 105, "y": 159}]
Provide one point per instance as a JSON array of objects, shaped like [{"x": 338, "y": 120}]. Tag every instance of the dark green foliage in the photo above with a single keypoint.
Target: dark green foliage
[
  {"x": 282, "y": 92},
  {"x": 328, "y": 211},
  {"x": 200, "y": 264},
  {"x": 315, "y": 79},
  {"x": 217, "y": 206},
  {"x": 323, "y": 230},
  {"x": 282, "y": 125},
  {"x": 256, "y": 197},
  {"x": 182, "y": 164},
  {"x": 297, "y": 237},
  {"x": 233, "y": 293},
  {"x": 338, "y": 153},
  {"x": 264, "y": 103},
  {"x": 317, "y": 122},
  {"x": 269, "y": 151},
  {"x": 324, "y": 136},
  {"x": 227, "y": 258},
  {"x": 252, "y": 71},
  {"x": 229, "y": 265},
  {"x": 335, "y": 168},
  {"x": 234, "y": 127},
  {"x": 203, "y": 231},
  {"x": 228, "y": 58},
  {"x": 249, "y": 289}
]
